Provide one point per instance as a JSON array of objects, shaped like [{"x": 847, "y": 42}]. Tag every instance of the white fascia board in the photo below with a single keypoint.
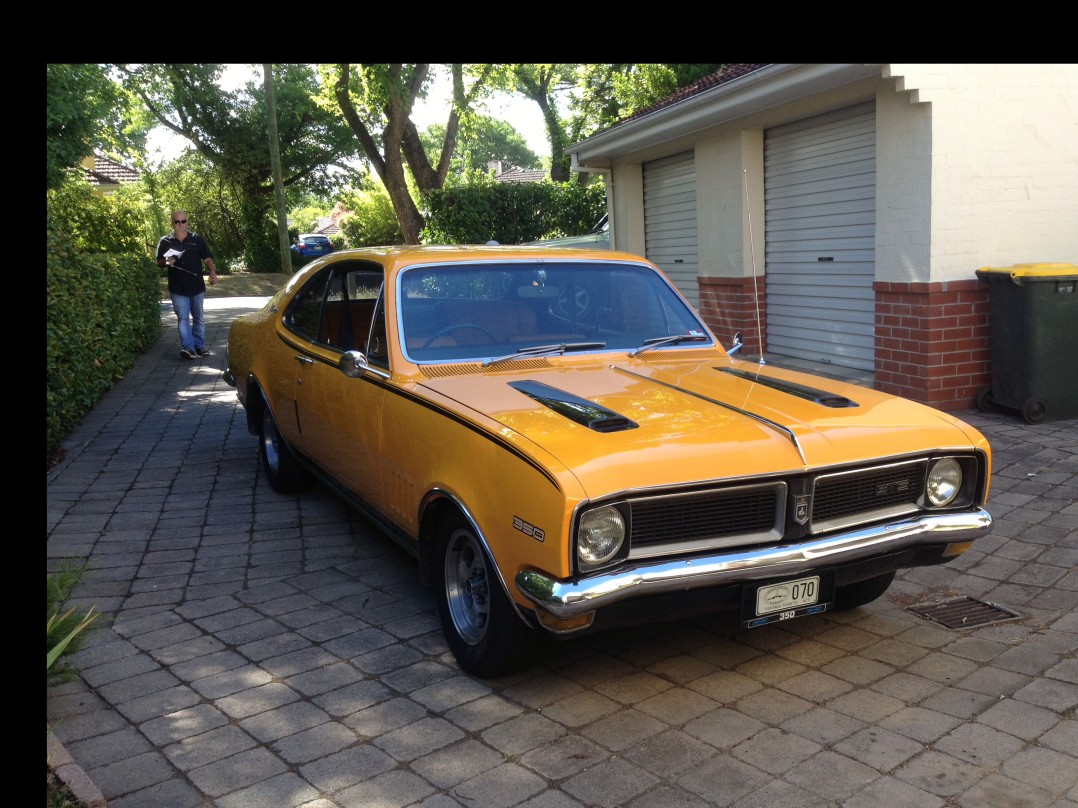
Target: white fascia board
[{"x": 764, "y": 88}]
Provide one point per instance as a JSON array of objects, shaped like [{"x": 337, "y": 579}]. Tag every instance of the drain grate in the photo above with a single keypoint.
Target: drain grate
[{"x": 965, "y": 613}]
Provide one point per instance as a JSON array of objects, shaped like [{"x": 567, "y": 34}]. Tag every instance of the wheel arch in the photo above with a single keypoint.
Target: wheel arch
[
  {"x": 437, "y": 507},
  {"x": 254, "y": 403}
]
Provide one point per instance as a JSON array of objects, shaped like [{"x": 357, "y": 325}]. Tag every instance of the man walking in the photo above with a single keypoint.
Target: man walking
[{"x": 183, "y": 251}]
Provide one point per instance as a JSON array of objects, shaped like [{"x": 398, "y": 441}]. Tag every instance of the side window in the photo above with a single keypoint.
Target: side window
[{"x": 305, "y": 313}]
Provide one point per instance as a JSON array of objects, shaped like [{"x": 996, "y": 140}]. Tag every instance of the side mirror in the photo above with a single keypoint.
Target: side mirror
[
  {"x": 353, "y": 364},
  {"x": 737, "y": 346}
]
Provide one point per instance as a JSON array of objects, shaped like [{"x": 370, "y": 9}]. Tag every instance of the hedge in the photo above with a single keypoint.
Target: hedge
[{"x": 103, "y": 311}]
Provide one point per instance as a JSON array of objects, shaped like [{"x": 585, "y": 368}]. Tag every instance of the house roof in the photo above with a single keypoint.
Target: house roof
[
  {"x": 720, "y": 76},
  {"x": 109, "y": 172},
  {"x": 521, "y": 175}
]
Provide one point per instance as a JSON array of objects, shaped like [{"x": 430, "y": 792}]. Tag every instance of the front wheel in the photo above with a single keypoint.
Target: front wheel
[
  {"x": 857, "y": 594},
  {"x": 483, "y": 630}
]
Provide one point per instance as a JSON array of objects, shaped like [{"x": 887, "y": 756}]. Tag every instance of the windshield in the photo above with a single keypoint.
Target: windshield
[{"x": 476, "y": 312}]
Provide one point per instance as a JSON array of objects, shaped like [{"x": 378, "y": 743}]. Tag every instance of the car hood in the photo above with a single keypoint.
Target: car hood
[{"x": 658, "y": 423}]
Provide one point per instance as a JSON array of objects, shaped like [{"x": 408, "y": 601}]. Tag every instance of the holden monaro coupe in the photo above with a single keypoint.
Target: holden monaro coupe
[{"x": 564, "y": 446}]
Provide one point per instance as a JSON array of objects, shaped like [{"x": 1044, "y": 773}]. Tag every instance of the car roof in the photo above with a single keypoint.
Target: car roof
[
  {"x": 404, "y": 255},
  {"x": 313, "y": 235}
]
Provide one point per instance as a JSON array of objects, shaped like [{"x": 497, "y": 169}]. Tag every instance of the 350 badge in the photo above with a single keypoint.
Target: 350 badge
[{"x": 529, "y": 529}]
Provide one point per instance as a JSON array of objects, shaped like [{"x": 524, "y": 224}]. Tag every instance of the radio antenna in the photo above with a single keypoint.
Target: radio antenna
[{"x": 752, "y": 256}]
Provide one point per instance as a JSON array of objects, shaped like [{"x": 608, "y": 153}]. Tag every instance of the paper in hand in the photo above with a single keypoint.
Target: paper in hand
[{"x": 172, "y": 253}]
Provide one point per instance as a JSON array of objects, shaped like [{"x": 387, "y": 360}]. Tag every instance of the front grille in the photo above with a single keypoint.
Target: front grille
[
  {"x": 680, "y": 522},
  {"x": 853, "y": 497},
  {"x": 772, "y": 512}
]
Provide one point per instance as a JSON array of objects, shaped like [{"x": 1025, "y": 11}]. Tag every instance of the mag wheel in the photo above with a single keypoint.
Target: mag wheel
[{"x": 483, "y": 630}]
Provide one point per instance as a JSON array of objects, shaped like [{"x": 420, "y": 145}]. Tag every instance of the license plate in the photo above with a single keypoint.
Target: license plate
[{"x": 772, "y": 603}]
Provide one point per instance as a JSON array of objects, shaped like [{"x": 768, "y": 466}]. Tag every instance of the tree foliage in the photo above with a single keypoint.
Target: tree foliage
[
  {"x": 541, "y": 83},
  {"x": 228, "y": 129},
  {"x": 84, "y": 112},
  {"x": 377, "y": 101},
  {"x": 372, "y": 221},
  {"x": 481, "y": 140}
]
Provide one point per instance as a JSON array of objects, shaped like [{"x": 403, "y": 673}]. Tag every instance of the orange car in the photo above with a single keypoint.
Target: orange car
[{"x": 565, "y": 446}]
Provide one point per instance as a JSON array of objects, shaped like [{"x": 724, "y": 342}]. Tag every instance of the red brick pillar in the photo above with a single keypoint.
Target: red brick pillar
[
  {"x": 728, "y": 305},
  {"x": 932, "y": 341}
]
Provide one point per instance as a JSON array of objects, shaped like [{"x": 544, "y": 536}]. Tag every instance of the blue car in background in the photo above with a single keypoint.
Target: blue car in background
[{"x": 312, "y": 245}]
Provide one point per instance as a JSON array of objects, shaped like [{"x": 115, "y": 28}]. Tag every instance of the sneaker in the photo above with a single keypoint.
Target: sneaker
[
  {"x": 186, "y": 354},
  {"x": 202, "y": 351}
]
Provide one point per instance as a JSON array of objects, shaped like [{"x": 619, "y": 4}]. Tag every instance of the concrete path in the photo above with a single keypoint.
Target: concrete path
[{"x": 275, "y": 651}]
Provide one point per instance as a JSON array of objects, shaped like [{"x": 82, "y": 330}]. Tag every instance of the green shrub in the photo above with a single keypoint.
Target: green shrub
[
  {"x": 511, "y": 213},
  {"x": 102, "y": 312}
]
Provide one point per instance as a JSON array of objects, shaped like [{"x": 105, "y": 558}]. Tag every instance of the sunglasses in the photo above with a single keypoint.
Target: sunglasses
[{"x": 179, "y": 221}]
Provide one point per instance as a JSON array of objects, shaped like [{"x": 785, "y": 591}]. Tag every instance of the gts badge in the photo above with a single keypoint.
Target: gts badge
[{"x": 528, "y": 529}]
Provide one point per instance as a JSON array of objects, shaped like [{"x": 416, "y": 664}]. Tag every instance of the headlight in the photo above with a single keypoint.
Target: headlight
[
  {"x": 944, "y": 482},
  {"x": 600, "y": 535}
]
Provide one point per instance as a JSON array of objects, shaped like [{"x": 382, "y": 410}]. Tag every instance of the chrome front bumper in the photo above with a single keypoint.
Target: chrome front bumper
[{"x": 566, "y": 599}]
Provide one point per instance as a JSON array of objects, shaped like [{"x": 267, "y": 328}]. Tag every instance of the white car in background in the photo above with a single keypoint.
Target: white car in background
[{"x": 598, "y": 238}]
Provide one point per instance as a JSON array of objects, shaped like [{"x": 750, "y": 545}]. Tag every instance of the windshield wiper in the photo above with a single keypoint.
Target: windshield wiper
[
  {"x": 673, "y": 339},
  {"x": 546, "y": 350}
]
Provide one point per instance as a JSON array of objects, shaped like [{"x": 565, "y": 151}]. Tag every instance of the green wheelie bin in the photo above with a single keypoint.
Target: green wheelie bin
[{"x": 1033, "y": 320}]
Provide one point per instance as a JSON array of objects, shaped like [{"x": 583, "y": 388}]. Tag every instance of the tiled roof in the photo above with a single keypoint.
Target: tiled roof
[
  {"x": 722, "y": 76},
  {"x": 520, "y": 175},
  {"x": 109, "y": 172}
]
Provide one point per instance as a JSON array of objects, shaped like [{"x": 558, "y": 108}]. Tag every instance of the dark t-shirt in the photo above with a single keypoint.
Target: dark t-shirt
[{"x": 185, "y": 276}]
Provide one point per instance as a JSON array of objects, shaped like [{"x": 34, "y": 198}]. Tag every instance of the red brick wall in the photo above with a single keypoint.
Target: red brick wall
[
  {"x": 932, "y": 341},
  {"x": 729, "y": 305}
]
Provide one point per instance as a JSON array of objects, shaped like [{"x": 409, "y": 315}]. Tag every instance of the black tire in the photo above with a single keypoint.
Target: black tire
[
  {"x": 483, "y": 630},
  {"x": 984, "y": 402},
  {"x": 857, "y": 594},
  {"x": 1035, "y": 410},
  {"x": 283, "y": 470}
]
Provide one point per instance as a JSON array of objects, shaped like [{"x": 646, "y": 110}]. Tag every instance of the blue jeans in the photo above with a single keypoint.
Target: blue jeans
[{"x": 192, "y": 320}]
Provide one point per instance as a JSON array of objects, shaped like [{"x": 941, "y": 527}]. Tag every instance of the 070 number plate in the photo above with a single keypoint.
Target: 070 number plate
[{"x": 771, "y": 603}]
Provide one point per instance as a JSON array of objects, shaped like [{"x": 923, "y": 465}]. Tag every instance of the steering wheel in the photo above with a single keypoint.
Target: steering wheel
[
  {"x": 572, "y": 302},
  {"x": 441, "y": 332}
]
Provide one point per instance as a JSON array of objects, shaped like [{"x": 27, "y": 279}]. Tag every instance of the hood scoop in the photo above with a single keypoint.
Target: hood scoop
[
  {"x": 577, "y": 409},
  {"x": 801, "y": 391}
]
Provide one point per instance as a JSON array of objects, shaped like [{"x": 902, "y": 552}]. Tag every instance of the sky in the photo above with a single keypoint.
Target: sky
[{"x": 524, "y": 115}]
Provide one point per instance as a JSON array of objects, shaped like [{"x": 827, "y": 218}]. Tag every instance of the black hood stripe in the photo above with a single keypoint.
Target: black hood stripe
[
  {"x": 801, "y": 391},
  {"x": 577, "y": 409}
]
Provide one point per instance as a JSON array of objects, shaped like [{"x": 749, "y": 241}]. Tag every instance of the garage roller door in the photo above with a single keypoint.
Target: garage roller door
[
  {"x": 670, "y": 221},
  {"x": 820, "y": 208}
]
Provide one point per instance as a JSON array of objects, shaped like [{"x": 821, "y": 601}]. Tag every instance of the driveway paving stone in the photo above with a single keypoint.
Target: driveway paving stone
[{"x": 265, "y": 650}]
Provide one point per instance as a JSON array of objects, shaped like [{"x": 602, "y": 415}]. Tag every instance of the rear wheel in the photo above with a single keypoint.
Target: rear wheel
[
  {"x": 483, "y": 630},
  {"x": 857, "y": 594},
  {"x": 283, "y": 470}
]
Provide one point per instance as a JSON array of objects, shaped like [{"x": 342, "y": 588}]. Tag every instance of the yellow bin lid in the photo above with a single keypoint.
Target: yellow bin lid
[{"x": 1046, "y": 270}]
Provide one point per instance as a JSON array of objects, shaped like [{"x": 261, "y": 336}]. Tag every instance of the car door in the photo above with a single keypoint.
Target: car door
[{"x": 339, "y": 416}]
